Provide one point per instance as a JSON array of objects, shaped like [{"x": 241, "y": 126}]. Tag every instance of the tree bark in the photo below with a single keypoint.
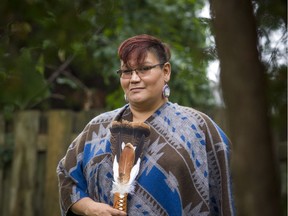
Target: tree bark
[{"x": 242, "y": 77}]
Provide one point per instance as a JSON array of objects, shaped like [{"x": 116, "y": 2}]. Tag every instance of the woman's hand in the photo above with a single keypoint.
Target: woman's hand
[{"x": 89, "y": 207}]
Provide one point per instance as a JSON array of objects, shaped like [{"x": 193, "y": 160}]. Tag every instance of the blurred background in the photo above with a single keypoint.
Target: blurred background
[{"x": 57, "y": 70}]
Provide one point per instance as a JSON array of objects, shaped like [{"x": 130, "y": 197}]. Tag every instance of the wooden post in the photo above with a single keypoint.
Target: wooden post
[
  {"x": 26, "y": 125},
  {"x": 59, "y": 137}
]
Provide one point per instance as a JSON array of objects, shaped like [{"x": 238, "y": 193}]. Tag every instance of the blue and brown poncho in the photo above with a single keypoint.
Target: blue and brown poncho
[{"x": 184, "y": 168}]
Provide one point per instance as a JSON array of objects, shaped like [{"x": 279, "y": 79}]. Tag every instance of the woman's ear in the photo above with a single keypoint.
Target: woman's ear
[{"x": 167, "y": 71}]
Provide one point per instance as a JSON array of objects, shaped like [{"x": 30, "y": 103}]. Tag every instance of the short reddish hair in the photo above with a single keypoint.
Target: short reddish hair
[{"x": 138, "y": 46}]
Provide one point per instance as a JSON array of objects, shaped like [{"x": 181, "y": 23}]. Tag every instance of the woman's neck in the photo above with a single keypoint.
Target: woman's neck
[{"x": 142, "y": 112}]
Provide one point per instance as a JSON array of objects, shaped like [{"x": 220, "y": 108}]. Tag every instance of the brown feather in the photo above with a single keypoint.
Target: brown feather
[
  {"x": 136, "y": 133},
  {"x": 126, "y": 163}
]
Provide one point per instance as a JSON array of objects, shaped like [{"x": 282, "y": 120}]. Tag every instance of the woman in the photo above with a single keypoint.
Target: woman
[{"x": 181, "y": 155}]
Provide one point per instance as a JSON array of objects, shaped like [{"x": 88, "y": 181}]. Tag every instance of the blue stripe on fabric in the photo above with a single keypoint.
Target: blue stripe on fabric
[
  {"x": 88, "y": 153},
  {"x": 198, "y": 164},
  {"x": 183, "y": 138},
  {"x": 108, "y": 147},
  {"x": 89, "y": 150},
  {"x": 155, "y": 184},
  {"x": 77, "y": 174},
  {"x": 193, "y": 127},
  {"x": 223, "y": 135},
  {"x": 188, "y": 144},
  {"x": 158, "y": 112},
  {"x": 167, "y": 120},
  {"x": 203, "y": 142},
  {"x": 226, "y": 141}
]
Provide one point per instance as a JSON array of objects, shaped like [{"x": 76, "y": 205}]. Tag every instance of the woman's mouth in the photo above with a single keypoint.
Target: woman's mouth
[{"x": 136, "y": 89}]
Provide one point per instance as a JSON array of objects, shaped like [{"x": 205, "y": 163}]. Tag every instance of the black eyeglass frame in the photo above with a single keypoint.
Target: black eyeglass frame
[{"x": 144, "y": 68}]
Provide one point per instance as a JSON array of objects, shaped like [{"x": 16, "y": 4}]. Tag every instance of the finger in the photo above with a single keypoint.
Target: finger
[{"x": 118, "y": 212}]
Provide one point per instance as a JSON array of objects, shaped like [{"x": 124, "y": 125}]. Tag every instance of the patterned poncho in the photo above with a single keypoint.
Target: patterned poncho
[{"x": 184, "y": 168}]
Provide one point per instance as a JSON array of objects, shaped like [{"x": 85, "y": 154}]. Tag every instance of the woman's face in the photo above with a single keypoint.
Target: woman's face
[{"x": 146, "y": 90}]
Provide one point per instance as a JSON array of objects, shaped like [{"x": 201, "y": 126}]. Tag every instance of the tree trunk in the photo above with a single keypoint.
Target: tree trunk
[{"x": 256, "y": 185}]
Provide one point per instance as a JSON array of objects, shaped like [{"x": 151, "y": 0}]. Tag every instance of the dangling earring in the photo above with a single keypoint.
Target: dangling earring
[
  {"x": 125, "y": 98},
  {"x": 166, "y": 91}
]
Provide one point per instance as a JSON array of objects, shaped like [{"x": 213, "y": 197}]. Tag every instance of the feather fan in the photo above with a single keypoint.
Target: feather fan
[{"x": 127, "y": 142}]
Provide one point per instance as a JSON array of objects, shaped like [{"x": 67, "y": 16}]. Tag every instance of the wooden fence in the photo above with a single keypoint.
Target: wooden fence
[{"x": 30, "y": 148}]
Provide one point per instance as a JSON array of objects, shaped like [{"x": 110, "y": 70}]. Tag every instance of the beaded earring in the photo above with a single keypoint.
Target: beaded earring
[{"x": 166, "y": 91}]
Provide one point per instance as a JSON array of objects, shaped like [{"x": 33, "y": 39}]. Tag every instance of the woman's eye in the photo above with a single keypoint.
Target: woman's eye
[
  {"x": 145, "y": 68},
  {"x": 140, "y": 70},
  {"x": 127, "y": 71}
]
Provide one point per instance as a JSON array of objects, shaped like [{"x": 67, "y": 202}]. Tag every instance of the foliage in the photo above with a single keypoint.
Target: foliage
[
  {"x": 55, "y": 54},
  {"x": 271, "y": 19}
]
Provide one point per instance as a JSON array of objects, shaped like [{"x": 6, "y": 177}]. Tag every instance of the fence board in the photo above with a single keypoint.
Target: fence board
[
  {"x": 2, "y": 133},
  {"x": 59, "y": 137},
  {"x": 24, "y": 163},
  {"x": 39, "y": 183}
]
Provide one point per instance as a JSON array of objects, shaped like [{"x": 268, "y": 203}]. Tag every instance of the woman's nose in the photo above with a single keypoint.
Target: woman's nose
[{"x": 134, "y": 76}]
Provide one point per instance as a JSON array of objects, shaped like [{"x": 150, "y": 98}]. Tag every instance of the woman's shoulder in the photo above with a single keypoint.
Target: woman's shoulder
[
  {"x": 185, "y": 110},
  {"x": 190, "y": 113}
]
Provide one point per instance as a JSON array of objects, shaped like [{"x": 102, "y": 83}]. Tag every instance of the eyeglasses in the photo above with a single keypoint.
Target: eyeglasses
[{"x": 141, "y": 71}]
